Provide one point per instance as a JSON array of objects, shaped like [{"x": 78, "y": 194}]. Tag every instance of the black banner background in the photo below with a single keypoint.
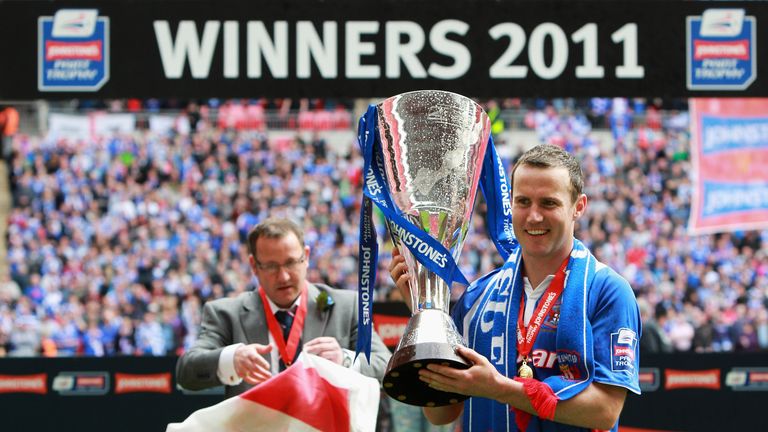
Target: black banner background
[
  {"x": 137, "y": 71},
  {"x": 692, "y": 409}
]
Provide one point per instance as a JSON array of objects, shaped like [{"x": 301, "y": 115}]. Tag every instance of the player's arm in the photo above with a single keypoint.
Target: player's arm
[{"x": 596, "y": 407}]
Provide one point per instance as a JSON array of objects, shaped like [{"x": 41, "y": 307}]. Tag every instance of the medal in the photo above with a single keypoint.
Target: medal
[
  {"x": 286, "y": 348},
  {"x": 525, "y": 371}
]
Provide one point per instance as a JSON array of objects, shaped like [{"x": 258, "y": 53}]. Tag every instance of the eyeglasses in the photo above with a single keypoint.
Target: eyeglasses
[{"x": 290, "y": 266}]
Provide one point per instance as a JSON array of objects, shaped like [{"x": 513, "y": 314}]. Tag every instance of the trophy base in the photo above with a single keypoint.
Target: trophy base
[{"x": 402, "y": 382}]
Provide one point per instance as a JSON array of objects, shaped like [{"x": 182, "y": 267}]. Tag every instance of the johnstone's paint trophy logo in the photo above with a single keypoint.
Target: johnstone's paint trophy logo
[
  {"x": 720, "y": 50},
  {"x": 73, "y": 51}
]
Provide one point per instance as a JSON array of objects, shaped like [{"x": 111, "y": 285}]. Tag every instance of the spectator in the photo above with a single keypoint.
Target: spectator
[
  {"x": 122, "y": 222},
  {"x": 653, "y": 339}
]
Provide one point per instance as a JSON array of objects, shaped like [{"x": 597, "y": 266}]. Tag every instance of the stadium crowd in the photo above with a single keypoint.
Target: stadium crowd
[{"x": 115, "y": 243}]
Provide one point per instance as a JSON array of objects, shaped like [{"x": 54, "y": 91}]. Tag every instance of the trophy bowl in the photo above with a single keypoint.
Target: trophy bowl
[{"x": 433, "y": 144}]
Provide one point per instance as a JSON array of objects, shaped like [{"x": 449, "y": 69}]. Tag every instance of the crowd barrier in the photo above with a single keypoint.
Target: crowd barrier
[{"x": 681, "y": 392}]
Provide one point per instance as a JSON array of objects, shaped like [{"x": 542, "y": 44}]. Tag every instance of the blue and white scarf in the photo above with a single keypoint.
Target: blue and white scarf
[{"x": 501, "y": 293}]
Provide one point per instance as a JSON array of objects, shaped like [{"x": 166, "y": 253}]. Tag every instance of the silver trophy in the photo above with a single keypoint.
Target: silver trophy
[{"x": 433, "y": 145}]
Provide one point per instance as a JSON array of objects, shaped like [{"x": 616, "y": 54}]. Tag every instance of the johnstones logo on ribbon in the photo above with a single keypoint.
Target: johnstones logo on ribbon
[
  {"x": 365, "y": 282},
  {"x": 410, "y": 239}
]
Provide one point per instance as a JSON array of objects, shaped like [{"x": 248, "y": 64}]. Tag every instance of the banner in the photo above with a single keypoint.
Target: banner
[
  {"x": 70, "y": 392},
  {"x": 76, "y": 127},
  {"x": 729, "y": 154},
  {"x": 348, "y": 48},
  {"x": 314, "y": 394}
]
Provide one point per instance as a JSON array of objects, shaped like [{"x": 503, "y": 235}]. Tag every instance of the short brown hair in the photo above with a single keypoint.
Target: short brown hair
[
  {"x": 551, "y": 156},
  {"x": 273, "y": 228}
]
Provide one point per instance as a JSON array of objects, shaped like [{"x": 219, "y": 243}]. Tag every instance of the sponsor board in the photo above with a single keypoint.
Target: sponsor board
[
  {"x": 81, "y": 383},
  {"x": 685, "y": 379},
  {"x": 721, "y": 50},
  {"x": 35, "y": 383},
  {"x": 649, "y": 379},
  {"x": 142, "y": 383},
  {"x": 390, "y": 328},
  {"x": 73, "y": 51},
  {"x": 747, "y": 379},
  {"x": 499, "y": 49}
]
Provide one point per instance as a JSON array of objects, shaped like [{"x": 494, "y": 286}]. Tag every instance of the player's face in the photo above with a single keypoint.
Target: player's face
[
  {"x": 544, "y": 214},
  {"x": 281, "y": 266}
]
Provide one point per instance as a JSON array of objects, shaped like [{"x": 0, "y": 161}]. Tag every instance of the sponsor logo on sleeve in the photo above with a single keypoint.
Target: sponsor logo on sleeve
[
  {"x": 81, "y": 383},
  {"x": 24, "y": 383},
  {"x": 133, "y": 383},
  {"x": 623, "y": 346},
  {"x": 686, "y": 379},
  {"x": 720, "y": 50},
  {"x": 73, "y": 51},
  {"x": 747, "y": 379}
]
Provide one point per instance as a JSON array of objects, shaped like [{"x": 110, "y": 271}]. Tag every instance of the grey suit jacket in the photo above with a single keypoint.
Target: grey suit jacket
[{"x": 241, "y": 319}]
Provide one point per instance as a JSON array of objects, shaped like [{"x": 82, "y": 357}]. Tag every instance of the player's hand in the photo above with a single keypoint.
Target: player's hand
[
  {"x": 481, "y": 379},
  {"x": 398, "y": 270},
  {"x": 250, "y": 365},
  {"x": 326, "y": 347}
]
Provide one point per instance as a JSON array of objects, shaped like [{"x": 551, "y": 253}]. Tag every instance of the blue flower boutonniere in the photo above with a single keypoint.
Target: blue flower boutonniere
[{"x": 324, "y": 301}]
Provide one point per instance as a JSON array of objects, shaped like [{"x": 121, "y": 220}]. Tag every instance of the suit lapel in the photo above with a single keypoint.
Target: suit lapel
[
  {"x": 316, "y": 321},
  {"x": 253, "y": 321}
]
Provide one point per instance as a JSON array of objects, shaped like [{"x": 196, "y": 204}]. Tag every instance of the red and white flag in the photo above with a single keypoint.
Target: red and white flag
[{"x": 314, "y": 394}]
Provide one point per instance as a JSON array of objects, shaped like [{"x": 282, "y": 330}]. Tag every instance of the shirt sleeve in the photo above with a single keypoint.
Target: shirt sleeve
[
  {"x": 354, "y": 363},
  {"x": 226, "y": 370},
  {"x": 616, "y": 331}
]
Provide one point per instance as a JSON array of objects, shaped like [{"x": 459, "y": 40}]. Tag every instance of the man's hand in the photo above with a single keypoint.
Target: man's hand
[
  {"x": 326, "y": 347},
  {"x": 398, "y": 270},
  {"x": 481, "y": 379},
  {"x": 250, "y": 365}
]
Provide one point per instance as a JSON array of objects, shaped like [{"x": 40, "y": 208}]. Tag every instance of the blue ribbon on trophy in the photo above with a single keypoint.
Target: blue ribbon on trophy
[
  {"x": 497, "y": 192},
  {"x": 427, "y": 250}
]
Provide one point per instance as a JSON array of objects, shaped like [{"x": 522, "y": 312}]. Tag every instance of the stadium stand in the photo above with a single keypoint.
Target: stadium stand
[{"x": 115, "y": 241}]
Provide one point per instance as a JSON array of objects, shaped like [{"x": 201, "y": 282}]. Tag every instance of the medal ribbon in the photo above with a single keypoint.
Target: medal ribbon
[
  {"x": 526, "y": 335},
  {"x": 287, "y": 351}
]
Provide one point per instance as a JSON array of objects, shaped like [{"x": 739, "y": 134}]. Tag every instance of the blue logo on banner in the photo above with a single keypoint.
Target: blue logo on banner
[
  {"x": 73, "y": 51},
  {"x": 720, "y": 50}
]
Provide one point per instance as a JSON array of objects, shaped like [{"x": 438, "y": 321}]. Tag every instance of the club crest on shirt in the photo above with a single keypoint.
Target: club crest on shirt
[
  {"x": 568, "y": 362},
  {"x": 553, "y": 317}
]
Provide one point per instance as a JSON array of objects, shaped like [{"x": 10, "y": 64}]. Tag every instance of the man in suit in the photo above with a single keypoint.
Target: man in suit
[{"x": 245, "y": 340}]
